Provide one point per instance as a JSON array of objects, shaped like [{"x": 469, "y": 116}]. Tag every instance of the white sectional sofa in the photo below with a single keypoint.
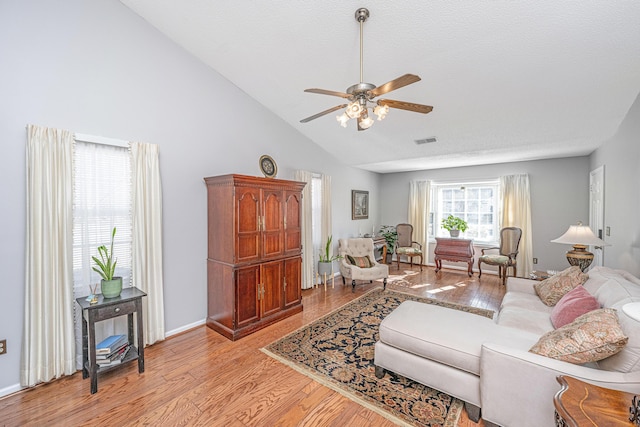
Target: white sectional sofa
[{"x": 487, "y": 363}]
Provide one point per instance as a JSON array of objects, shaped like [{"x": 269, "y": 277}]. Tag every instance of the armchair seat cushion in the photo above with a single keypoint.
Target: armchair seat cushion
[
  {"x": 494, "y": 259},
  {"x": 408, "y": 251}
]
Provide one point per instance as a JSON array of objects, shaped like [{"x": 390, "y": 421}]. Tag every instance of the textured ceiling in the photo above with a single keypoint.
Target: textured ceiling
[{"x": 508, "y": 80}]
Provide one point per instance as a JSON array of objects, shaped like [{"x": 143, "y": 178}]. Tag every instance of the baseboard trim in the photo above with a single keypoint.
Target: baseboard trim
[
  {"x": 10, "y": 390},
  {"x": 185, "y": 328}
]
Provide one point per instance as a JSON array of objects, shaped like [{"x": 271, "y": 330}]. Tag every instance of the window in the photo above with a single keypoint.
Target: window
[
  {"x": 101, "y": 201},
  {"x": 475, "y": 202}
]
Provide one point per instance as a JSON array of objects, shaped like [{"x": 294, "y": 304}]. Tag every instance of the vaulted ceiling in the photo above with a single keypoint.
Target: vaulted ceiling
[{"x": 508, "y": 80}]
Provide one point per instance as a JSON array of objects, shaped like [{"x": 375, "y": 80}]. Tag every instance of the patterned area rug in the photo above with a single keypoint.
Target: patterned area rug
[{"x": 337, "y": 351}]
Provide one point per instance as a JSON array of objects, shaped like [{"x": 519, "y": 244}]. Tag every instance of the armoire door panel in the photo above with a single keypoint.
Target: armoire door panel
[
  {"x": 247, "y": 307},
  {"x": 293, "y": 228},
  {"x": 247, "y": 224},
  {"x": 271, "y": 282},
  {"x": 292, "y": 281},
  {"x": 273, "y": 223}
]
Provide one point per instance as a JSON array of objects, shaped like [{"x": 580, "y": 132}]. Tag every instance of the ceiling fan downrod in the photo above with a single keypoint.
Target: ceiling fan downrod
[{"x": 362, "y": 15}]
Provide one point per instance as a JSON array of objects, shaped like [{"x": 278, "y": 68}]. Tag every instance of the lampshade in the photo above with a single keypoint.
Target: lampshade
[
  {"x": 580, "y": 236},
  {"x": 632, "y": 309}
]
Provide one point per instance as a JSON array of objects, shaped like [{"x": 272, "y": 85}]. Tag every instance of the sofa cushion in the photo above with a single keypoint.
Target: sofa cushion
[
  {"x": 534, "y": 321},
  {"x": 445, "y": 335},
  {"x": 575, "y": 303},
  {"x": 555, "y": 287},
  {"x": 591, "y": 337},
  {"x": 360, "y": 261}
]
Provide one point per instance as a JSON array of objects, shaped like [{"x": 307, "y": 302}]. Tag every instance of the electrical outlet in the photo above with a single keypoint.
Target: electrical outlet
[
  {"x": 3, "y": 346},
  {"x": 608, "y": 233},
  {"x": 535, "y": 260}
]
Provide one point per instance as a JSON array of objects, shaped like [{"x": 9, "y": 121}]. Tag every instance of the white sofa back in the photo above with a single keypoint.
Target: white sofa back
[{"x": 614, "y": 289}]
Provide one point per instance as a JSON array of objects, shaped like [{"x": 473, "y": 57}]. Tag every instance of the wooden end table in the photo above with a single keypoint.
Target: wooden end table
[
  {"x": 129, "y": 302},
  {"x": 457, "y": 250},
  {"x": 582, "y": 404}
]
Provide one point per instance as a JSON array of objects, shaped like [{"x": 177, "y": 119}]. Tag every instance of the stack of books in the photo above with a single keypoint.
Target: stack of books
[{"x": 112, "y": 350}]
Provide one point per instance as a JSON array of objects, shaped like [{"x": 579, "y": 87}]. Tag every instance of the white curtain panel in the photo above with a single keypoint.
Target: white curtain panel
[
  {"x": 307, "y": 228},
  {"x": 146, "y": 245},
  {"x": 48, "y": 347},
  {"x": 516, "y": 212},
  {"x": 419, "y": 205}
]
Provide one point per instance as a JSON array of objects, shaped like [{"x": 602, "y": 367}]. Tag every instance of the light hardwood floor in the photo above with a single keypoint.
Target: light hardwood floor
[{"x": 201, "y": 378}]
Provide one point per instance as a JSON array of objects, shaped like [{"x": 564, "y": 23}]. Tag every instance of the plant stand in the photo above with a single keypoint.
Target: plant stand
[{"x": 324, "y": 279}]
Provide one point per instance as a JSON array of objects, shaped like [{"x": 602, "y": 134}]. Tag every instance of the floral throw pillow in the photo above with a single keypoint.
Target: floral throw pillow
[
  {"x": 360, "y": 261},
  {"x": 555, "y": 287},
  {"x": 591, "y": 337}
]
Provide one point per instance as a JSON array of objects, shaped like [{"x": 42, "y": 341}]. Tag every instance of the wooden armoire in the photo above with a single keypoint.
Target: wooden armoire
[{"x": 254, "y": 262}]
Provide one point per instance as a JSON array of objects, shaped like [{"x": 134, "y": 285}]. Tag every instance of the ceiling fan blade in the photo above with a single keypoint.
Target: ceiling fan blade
[
  {"x": 401, "y": 81},
  {"x": 329, "y": 92},
  {"x": 325, "y": 112},
  {"x": 409, "y": 106}
]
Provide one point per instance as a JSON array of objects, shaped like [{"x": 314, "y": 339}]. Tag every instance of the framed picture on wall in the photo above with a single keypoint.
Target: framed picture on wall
[{"x": 359, "y": 204}]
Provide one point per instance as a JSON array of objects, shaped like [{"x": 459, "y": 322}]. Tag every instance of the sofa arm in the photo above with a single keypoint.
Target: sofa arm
[
  {"x": 518, "y": 284},
  {"x": 517, "y": 387}
]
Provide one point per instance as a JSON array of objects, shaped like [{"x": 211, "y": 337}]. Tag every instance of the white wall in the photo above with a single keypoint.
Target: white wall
[
  {"x": 95, "y": 67},
  {"x": 559, "y": 198},
  {"x": 621, "y": 159}
]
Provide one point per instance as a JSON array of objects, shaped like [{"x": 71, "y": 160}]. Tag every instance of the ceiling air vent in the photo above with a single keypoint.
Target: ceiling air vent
[{"x": 426, "y": 140}]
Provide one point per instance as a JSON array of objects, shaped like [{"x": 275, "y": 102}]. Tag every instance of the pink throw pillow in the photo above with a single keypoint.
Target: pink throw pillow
[{"x": 573, "y": 304}]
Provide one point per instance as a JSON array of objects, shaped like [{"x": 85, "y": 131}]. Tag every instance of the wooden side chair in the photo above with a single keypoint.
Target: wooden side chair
[
  {"x": 405, "y": 245},
  {"x": 507, "y": 253}
]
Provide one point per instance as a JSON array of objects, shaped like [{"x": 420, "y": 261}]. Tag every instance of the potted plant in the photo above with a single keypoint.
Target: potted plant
[
  {"x": 454, "y": 225},
  {"x": 391, "y": 236},
  {"x": 325, "y": 262},
  {"x": 110, "y": 285}
]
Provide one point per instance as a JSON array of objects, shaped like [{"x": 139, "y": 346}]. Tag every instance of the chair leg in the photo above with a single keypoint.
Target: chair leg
[
  {"x": 343, "y": 282},
  {"x": 421, "y": 260},
  {"x": 384, "y": 282},
  {"x": 398, "y": 260},
  {"x": 479, "y": 269},
  {"x": 353, "y": 285}
]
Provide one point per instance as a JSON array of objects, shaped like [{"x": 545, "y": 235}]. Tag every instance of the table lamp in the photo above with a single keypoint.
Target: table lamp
[{"x": 580, "y": 236}]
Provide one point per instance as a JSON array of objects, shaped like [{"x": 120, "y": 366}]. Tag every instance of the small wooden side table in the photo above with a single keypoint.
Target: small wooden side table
[
  {"x": 457, "y": 250},
  {"x": 582, "y": 404},
  {"x": 129, "y": 302},
  {"x": 381, "y": 243}
]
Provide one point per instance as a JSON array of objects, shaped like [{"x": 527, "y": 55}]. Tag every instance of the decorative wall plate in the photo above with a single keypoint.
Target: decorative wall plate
[{"x": 268, "y": 166}]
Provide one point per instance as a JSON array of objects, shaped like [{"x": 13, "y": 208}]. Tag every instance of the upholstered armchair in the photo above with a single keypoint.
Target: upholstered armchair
[
  {"x": 358, "y": 262},
  {"x": 405, "y": 245},
  {"x": 507, "y": 253}
]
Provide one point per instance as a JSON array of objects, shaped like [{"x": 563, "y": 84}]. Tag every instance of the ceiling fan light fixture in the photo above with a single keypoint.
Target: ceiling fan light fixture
[
  {"x": 343, "y": 119},
  {"x": 381, "y": 111},
  {"x": 354, "y": 109},
  {"x": 365, "y": 121}
]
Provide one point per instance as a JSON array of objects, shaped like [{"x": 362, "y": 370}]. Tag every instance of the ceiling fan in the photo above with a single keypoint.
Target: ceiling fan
[{"x": 361, "y": 96}]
